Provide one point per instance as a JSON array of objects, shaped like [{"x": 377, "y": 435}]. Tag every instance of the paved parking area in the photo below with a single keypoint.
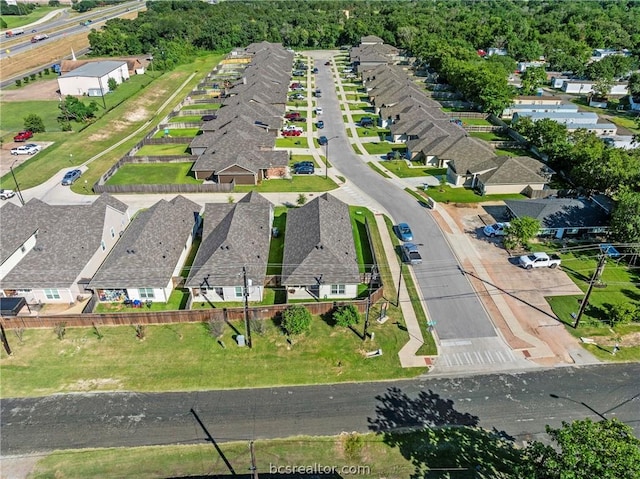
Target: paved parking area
[{"x": 514, "y": 297}]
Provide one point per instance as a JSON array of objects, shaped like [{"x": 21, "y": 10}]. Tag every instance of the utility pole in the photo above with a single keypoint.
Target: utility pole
[
  {"x": 246, "y": 306},
  {"x": 16, "y": 182},
  {"x": 254, "y": 468},
  {"x": 366, "y": 315},
  {"x": 596, "y": 275},
  {"x": 399, "y": 282}
]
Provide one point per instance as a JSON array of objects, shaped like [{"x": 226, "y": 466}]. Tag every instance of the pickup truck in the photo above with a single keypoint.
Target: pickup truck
[
  {"x": 539, "y": 260},
  {"x": 23, "y": 135},
  {"x": 410, "y": 254},
  {"x": 6, "y": 194}
]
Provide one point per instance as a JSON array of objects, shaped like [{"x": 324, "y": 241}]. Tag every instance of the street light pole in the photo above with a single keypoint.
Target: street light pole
[{"x": 16, "y": 182}]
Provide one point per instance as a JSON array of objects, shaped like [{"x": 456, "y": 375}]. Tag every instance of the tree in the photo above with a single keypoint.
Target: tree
[
  {"x": 54, "y": 3},
  {"x": 112, "y": 84},
  {"x": 624, "y": 313},
  {"x": 532, "y": 79},
  {"x": 520, "y": 231},
  {"x": 602, "y": 86},
  {"x": 585, "y": 449},
  {"x": 73, "y": 109},
  {"x": 625, "y": 220},
  {"x": 302, "y": 199},
  {"x": 634, "y": 84},
  {"x": 296, "y": 320},
  {"x": 346, "y": 316},
  {"x": 34, "y": 123}
]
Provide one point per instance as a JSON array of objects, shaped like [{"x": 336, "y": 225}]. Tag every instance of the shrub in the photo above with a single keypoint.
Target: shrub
[
  {"x": 346, "y": 316},
  {"x": 34, "y": 123},
  {"x": 624, "y": 313},
  {"x": 33, "y": 77},
  {"x": 18, "y": 83},
  {"x": 296, "y": 320}
]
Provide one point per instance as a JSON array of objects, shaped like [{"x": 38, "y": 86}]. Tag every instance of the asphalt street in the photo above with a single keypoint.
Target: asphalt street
[
  {"x": 520, "y": 405},
  {"x": 461, "y": 321}
]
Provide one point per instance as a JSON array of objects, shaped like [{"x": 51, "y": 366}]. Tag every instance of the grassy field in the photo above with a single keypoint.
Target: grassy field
[
  {"x": 14, "y": 21},
  {"x": 475, "y": 121},
  {"x": 167, "y": 149},
  {"x": 297, "y": 184},
  {"x": 112, "y": 127},
  {"x": 202, "y": 106},
  {"x": 14, "y": 112},
  {"x": 374, "y": 458},
  {"x": 375, "y": 168},
  {"x": 186, "y": 119},
  {"x": 154, "y": 174},
  {"x": 41, "y": 364},
  {"x": 488, "y": 136}
]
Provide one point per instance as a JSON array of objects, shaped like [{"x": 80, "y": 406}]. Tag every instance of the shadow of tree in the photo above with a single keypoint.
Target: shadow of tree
[{"x": 441, "y": 441}]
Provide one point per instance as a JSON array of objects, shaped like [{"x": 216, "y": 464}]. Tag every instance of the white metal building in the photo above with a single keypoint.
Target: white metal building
[{"x": 93, "y": 78}]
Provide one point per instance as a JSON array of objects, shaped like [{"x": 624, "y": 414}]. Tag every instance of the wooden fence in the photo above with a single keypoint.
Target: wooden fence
[{"x": 145, "y": 317}]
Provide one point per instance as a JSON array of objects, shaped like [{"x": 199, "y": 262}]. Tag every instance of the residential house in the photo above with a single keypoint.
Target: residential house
[
  {"x": 561, "y": 217},
  {"x": 584, "y": 87},
  {"x": 572, "y": 120},
  {"x": 320, "y": 260},
  {"x": 92, "y": 79},
  {"x": 50, "y": 252},
  {"x": 499, "y": 174},
  {"x": 235, "y": 243},
  {"x": 146, "y": 262}
]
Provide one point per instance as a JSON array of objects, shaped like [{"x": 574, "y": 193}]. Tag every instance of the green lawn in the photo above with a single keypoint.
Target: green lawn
[
  {"x": 381, "y": 133},
  {"x": 489, "y": 136},
  {"x": 14, "y": 112},
  {"x": 177, "y": 300},
  {"x": 363, "y": 249},
  {"x": 402, "y": 170},
  {"x": 276, "y": 247},
  {"x": 465, "y": 195},
  {"x": 43, "y": 365},
  {"x": 202, "y": 106},
  {"x": 167, "y": 149},
  {"x": 475, "y": 121},
  {"x": 514, "y": 152},
  {"x": 375, "y": 168},
  {"x": 74, "y": 148},
  {"x": 186, "y": 119},
  {"x": 297, "y": 184},
  {"x": 299, "y": 158},
  {"x": 154, "y": 174},
  {"x": 378, "y": 148},
  {"x": 179, "y": 133},
  {"x": 292, "y": 142}
]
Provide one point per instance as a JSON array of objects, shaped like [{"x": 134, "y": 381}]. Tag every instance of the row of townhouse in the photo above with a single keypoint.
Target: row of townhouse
[
  {"x": 61, "y": 254},
  {"x": 238, "y": 144},
  {"x": 430, "y": 136}
]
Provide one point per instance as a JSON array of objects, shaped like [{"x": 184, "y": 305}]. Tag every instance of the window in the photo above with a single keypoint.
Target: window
[
  {"x": 239, "y": 291},
  {"x": 52, "y": 294},
  {"x": 113, "y": 233},
  {"x": 338, "y": 289},
  {"x": 103, "y": 245},
  {"x": 146, "y": 293}
]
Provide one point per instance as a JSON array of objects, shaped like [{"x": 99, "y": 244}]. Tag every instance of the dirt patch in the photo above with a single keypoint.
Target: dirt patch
[
  {"x": 136, "y": 115},
  {"x": 95, "y": 384},
  {"x": 40, "y": 90}
]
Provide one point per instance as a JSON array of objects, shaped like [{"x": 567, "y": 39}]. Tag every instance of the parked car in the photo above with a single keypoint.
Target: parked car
[
  {"x": 318, "y": 93},
  {"x": 304, "y": 170},
  {"x": 28, "y": 149},
  {"x": 315, "y": 70},
  {"x": 208, "y": 117},
  {"x": 6, "y": 194},
  {"x": 320, "y": 124},
  {"x": 410, "y": 254},
  {"x": 497, "y": 229},
  {"x": 297, "y": 96},
  {"x": 347, "y": 70},
  {"x": 327, "y": 64},
  {"x": 303, "y": 163},
  {"x": 70, "y": 177},
  {"x": 539, "y": 260},
  {"x": 299, "y": 119},
  {"x": 291, "y": 133},
  {"x": 291, "y": 115},
  {"x": 404, "y": 232},
  {"x": 366, "y": 121},
  {"x": 23, "y": 135},
  {"x": 318, "y": 110},
  {"x": 323, "y": 140},
  {"x": 292, "y": 128}
]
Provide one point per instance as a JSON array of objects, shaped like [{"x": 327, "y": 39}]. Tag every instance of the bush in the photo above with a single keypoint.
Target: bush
[
  {"x": 25, "y": 79},
  {"x": 33, "y": 77},
  {"x": 18, "y": 83},
  {"x": 112, "y": 84},
  {"x": 296, "y": 320},
  {"x": 302, "y": 199},
  {"x": 34, "y": 123},
  {"x": 624, "y": 313},
  {"x": 47, "y": 71},
  {"x": 346, "y": 316}
]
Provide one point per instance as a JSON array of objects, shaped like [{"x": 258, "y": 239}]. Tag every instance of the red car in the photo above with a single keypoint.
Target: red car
[
  {"x": 23, "y": 135},
  {"x": 291, "y": 133},
  {"x": 292, "y": 115}
]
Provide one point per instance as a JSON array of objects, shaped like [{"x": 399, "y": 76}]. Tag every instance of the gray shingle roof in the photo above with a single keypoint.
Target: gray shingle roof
[
  {"x": 561, "y": 212},
  {"x": 319, "y": 241},
  {"x": 94, "y": 69},
  {"x": 234, "y": 236},
  {"x": 516, "y": 170},
  {"x": 148, "y": 252},
  {"x": 68, "y": 237}
]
